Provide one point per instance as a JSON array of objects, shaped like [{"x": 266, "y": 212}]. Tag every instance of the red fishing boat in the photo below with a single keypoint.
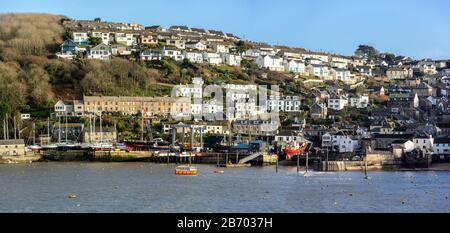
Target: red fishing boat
[{"x": 294, "y": 149}]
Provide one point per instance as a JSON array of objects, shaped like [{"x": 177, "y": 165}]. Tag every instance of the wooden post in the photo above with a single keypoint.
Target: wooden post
[
  {"x": 365, "y": 167},
  {"x": 217, "y": 160},
  {"x": 327, "y": 159},
  {"x": 298, "y": 163},
  {"x": 276, "y": 166},
  {"x": 168, "y": 157},
  {"x": 307, "y": 161},
  {"x": 226, "y": 158}
]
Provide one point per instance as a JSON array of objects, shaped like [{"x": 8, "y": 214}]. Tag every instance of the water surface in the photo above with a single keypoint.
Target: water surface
[{"x": 147, "y": 187}]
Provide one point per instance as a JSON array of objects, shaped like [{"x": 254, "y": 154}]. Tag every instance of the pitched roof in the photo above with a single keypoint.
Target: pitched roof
[{"x": 442, "y": 140}]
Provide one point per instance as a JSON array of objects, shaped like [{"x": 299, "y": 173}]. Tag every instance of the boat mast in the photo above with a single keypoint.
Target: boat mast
[
  {"x": 59, "y": 129},
  {"x": 66, "y": 128},
  {"x": 48, "y": 130},
  {"x": 142, "y": 119},
  {"x": 101, "y": 129},
  {"x": 90, "y": 129},
  {"x": 34, "y": 134}
]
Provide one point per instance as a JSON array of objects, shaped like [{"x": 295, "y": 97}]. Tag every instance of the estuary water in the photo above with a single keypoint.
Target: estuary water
[{"x": 148, "y": 187}]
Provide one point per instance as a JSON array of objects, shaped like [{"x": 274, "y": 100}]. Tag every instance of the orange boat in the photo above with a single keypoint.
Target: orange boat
[
  {"x": 291, "y": 150},
  {"x": 186, "y": 171}
]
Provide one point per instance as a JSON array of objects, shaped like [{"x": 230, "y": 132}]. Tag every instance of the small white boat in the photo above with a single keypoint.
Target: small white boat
[
  {"x": 102, "y": 147},
  {"x": 186, "y": 171},
  {"x": 34, "y": 148},
  {"x": 50, "y": 146}
]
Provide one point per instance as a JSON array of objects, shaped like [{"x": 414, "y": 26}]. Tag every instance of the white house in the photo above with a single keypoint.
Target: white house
[
  {"x": 178, "y": 43},
  {"x": 193, "y": 56},
  {"x": 424, "y": 143},
  {"x": 101, "y": 51},
  {"x": 283, "y": 104},
  {"x": 318, "y": 70},
  {"x": 267, "y": 50},
  {"x": 338, "y": 64},
  {"x": 288, "y": 136},
  {"x": 294, "y": 66},
  {"x": 252, "y": 53},
  {"x": 213, "y": 110},
  {"x": 172, "y": 53},
  {"x": 270, "y": 62},
  {"x": 313, "y": 61},
  {"x": 196, "y": 109},
  {"x": 151, "y": 54},
  {"x": 124, "y": 38},
  {"x": 427, "y": 68},
  {"x": 339, "y": 142},
  {"x": 80, "y": 37},
  {"x": 220, "y": 47},
  {"x": 198, "y": 45},
  {"x": 399, "y": 147},
  {"x": 359, "y": 101},
  {"x": 365, "y": 70},
  {"x": 340, "y": 59},
  {"x": 104, "y": 35},
  {"x": 235, "y": 92},
  {"x": 195, "y": 89},
  {"x": 338, "y": 74},
  {"x": 69, "y": 108},
  {"x": 243, "y": 109},
  {"x": 231, "y": 59},
  {"x": 337, "y": 102},
  {"x": 399, "y": 73},
  {"x": 212, "y": 58},
  {"x": 319, "y": 56}
]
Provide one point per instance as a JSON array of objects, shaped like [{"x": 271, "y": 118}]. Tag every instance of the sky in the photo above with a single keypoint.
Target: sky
[{"x": 417, "y": 28}]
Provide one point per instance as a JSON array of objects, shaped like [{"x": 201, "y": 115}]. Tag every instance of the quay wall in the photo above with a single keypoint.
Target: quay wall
[
  {"x": 28, "y": 158},
  {"x": 356, "y": 165}
]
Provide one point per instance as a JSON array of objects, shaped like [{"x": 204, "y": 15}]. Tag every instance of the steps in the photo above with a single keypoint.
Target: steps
[{"x": 250, "y": 157}]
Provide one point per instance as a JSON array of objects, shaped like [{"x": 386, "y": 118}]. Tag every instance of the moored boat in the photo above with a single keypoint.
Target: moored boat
[
  {"x": 292, "y": 150},
  {"x": 102, "y": 147},
  {"x": 186, "y": 170}
]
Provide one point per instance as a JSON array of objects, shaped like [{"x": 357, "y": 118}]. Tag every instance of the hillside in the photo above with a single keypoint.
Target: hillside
[{"x": 33, "y": 79}]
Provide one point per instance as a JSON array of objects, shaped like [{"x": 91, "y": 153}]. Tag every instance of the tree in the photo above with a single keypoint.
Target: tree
[
  {"x": 38, "y": 86},
  {"x": 241, "y": 46},
  {"x": 366, "y": 52},
  {"x": 97, "y": 19},
  {"x": 389, "y": 57},
  {"x": 12, "y": 91},
  {"x": 68, "y": 34},
  {"x": 95, "y": 40}
]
